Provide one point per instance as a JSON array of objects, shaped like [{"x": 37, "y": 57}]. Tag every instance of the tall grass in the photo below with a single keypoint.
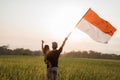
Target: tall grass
[{"x": 33, "y": 68}]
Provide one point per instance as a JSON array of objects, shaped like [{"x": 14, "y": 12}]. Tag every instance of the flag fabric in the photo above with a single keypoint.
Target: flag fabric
[{"x": 96, "y": 27}]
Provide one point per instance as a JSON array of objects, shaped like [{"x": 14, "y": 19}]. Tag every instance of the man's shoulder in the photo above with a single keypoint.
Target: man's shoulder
[{"x": 53, "y": 51}]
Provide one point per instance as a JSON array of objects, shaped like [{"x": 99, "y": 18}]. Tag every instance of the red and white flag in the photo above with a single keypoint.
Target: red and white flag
[{"x": 97, "y": 28}]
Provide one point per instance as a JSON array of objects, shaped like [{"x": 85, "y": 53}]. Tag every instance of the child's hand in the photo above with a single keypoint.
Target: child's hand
[{"x": 42, "y": 41}]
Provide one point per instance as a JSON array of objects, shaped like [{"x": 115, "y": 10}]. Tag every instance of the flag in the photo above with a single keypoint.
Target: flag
[{"x": 97, "y": 28}]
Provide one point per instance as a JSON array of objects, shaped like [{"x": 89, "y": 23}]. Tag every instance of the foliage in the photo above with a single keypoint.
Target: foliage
[
  {"x": 91, "y": 54},
  {"x": 18, "y": 51}
]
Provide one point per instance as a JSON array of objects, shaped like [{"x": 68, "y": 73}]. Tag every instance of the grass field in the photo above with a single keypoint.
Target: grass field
[{"x": 33, "y": 68}]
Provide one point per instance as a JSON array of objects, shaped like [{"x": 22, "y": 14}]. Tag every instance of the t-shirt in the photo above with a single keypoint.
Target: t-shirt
[{"x": 54, "y": 56}]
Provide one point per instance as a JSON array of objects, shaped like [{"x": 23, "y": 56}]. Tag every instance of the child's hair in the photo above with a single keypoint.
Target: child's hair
[{"x": 46, "y": 49}]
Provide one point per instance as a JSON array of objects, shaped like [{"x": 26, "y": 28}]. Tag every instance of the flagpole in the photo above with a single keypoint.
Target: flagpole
[
  {"x": 69, "y": 34},
  {"x": 78, "y": 23}
]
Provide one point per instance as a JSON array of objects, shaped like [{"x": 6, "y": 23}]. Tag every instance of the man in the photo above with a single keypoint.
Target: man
[{"x": 53, "y": 57}]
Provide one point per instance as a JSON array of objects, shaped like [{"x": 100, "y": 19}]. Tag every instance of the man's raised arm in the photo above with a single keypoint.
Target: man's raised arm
[{"x": 64, "y": 42}]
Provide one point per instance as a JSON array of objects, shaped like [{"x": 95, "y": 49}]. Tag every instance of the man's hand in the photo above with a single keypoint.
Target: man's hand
[{"x": 66, "y": 38}]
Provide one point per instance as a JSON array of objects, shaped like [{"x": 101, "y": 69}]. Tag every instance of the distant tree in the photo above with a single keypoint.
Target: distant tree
[
  {"x": 94, "y": 54},
  {"x": 4, "y": 50},
  {"x": 21, "y": 51},
  {"x": 85, "y": 54},
  {"x": 39, "y": 53}
]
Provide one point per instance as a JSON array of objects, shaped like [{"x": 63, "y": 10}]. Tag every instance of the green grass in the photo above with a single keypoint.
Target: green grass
[{"x": 33, "y": 68}]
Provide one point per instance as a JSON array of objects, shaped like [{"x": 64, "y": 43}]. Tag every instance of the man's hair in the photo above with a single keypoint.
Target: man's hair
[{"x": 54, "y": 45}]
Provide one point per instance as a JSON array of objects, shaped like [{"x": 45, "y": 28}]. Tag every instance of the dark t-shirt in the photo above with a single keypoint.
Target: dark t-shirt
[{"x": 54, "y": 56}]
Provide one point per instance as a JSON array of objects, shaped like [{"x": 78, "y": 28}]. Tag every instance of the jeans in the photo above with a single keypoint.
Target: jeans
[{"x": 52, "y": 73}]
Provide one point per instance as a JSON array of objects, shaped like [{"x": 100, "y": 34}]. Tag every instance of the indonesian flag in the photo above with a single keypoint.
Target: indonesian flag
[{"x": 97, "y": 28}]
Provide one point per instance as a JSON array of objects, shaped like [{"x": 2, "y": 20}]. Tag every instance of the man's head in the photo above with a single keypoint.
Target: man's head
[{"x": 54, "y": 45}]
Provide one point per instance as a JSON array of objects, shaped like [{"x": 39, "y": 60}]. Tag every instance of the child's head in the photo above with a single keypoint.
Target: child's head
[{"x": 46, "y": 49}]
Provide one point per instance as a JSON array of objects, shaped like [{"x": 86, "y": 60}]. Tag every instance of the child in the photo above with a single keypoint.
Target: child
[{"x": 45, "y": 51}]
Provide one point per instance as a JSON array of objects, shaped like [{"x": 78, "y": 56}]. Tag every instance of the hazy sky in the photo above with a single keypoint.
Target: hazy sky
[{"x": 24, "y": 23}]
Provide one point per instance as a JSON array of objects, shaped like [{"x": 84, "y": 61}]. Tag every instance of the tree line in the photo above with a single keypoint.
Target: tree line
[
  {"x": 4, "y": 50},
  {"x": 91, "y": 54}
]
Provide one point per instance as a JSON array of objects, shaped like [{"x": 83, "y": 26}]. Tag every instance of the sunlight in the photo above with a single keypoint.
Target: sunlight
[{"x": 78, "y": 35}]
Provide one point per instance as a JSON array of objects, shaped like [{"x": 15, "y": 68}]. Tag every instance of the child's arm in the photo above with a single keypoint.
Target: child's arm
[{"x": 42, "y": 46}]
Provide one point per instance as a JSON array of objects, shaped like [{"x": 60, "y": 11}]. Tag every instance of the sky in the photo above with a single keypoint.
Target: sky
[{"x": 24, "y": 23}]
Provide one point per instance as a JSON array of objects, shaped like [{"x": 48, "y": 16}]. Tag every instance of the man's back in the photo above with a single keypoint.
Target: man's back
[{"x": 54, "y": 56}]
